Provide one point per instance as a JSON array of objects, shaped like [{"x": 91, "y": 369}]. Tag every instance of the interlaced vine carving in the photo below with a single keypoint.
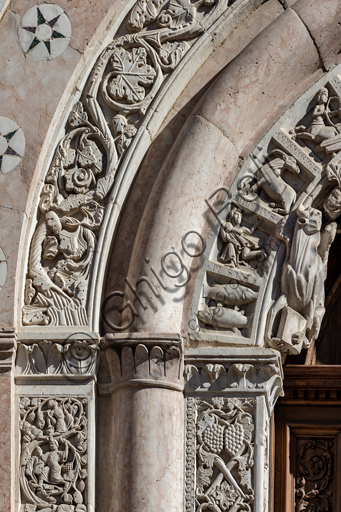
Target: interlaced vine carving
[
  {"x": 53, "y": 462},
  {"x": 123, "y": 83}
]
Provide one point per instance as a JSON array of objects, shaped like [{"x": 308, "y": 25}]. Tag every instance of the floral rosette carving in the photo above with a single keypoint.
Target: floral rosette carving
[
  {"x": 225, "y": 433},
  {"x": 53, "y": 462}
]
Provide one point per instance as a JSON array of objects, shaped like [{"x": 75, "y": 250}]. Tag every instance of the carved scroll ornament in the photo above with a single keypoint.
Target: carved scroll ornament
[
  {"x": 53, "y": 460},
  {"x": 315, "y": 467},
  {"x": 126, "y": 78}
]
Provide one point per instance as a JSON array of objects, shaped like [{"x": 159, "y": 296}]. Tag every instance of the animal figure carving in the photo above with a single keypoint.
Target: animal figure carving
[
  {"x": 302, "y": 284},
  {"x": 269, "y": 178}
]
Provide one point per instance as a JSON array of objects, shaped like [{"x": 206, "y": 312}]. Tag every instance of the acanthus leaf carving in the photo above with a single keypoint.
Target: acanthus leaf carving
[{"x": 78, "y": 357}]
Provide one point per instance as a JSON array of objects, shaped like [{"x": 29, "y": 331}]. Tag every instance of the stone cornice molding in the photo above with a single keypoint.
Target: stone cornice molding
[
  {"x": 238, "y": 372},
  {"x": 141, "y": 359},
  {"x": 7, "y": 350}
]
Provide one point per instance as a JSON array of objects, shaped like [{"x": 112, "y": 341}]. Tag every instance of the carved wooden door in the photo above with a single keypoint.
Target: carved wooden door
[{"x": 308, "y": 441}]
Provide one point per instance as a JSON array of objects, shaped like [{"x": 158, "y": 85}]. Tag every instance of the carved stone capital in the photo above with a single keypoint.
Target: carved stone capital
[
  {"x": 76, "y": 357},
  {"x": 7, "y": 349},
  {"x": 140, "y": 359},
  {"x": 241, "y": 372}
]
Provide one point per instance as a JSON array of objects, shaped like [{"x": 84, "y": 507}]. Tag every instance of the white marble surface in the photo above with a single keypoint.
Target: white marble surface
[
  {"x": 12, "y": 145},
  {"x": 44, "y": 32}
]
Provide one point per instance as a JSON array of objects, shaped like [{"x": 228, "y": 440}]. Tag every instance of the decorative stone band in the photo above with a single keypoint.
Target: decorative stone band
[
  {"x": 46, "y": 358},
  {"x": 7, "y": 350},
  {"x": 140, "y": 359},
  {"x": 255, "y": 371}
]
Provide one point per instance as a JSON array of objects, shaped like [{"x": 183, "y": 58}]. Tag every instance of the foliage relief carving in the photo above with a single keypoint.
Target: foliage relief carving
[
  {"x": 224, "y": 448},
  {"x": 53, "y": 460},
  {"x": 126, "y": 78}
]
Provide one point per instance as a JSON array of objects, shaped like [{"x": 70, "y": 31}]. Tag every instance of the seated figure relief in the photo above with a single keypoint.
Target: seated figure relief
[{"x": 240, "y": 246}]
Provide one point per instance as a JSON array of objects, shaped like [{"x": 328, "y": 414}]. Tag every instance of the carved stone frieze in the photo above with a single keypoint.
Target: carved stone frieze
[
  {"x": 77, "y": 357},
  {"x": 230, "y": 395},
  {"x": 53, "y": 454},
  {"x": 233, "y": 375},
  {"x": 101, "y": 126},
  {"x": 275, "y": 233},
  {"x": 138, "y": 360},
  {"x": 220, "y": 435}
]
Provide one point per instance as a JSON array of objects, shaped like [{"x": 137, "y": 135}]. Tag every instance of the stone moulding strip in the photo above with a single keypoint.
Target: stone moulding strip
[{"x": 109, "y": 389}]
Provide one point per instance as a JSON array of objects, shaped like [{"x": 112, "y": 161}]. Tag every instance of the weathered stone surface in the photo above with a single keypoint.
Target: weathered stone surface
[
  {"x": 261, "y": 83},
  {"x": 323, "y": 19}
]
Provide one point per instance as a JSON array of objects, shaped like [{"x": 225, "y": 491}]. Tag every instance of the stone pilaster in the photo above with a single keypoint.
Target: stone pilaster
[
  {"x": 230, "y": 394},
  {"x": 7, "y": 353},
  {"x": 140, "y": 423},
  {"x": 55, "y": 424}
]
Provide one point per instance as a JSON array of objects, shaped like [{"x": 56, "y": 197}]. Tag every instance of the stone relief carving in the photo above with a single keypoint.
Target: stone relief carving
[
  {"x": 79, "y": 357},
  {"x": 222, "y": 376},
  {"x": 303, "y": 276},
  {"x": 315, "y": 467},
  {"x": 224, "y": 448},
  {"x": 240, "y": 246},
  {"x": 130, "y": 362},
  {"x": 53, "y": 459},
  {"x": 123, "y": 83},
  {"x": 283, "y": 208},
  {"x": 269, "y": 178}
]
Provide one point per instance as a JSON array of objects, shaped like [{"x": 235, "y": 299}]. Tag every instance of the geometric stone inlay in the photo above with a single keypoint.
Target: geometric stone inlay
[
  {"x": 44, "y": 32},
  {"x": 12, "y": 144}
]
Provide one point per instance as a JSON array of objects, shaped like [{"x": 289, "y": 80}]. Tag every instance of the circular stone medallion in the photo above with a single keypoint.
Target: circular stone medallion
[
  {"x": 44, "y": 32},
  {"x": 12, "y": 144}
]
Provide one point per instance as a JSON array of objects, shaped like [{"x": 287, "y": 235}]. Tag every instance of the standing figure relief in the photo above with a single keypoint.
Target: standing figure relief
[{"x": 304, "y": 272}]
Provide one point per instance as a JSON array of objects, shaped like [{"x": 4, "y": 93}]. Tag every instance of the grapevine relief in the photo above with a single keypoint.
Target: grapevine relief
[
  {"x": 53, "y": 462},
  {"x": 225, "y": 454},
  {"x": 126, "y": 78}
]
